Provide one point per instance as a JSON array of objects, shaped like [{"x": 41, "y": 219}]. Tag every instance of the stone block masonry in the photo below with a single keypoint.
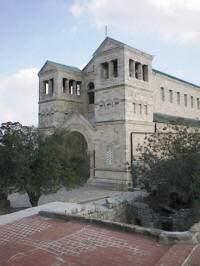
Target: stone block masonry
[{"x": 113, "y": 99}]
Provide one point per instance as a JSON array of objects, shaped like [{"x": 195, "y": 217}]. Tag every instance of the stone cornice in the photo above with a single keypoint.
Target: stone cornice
[
  {"x": 61, "y": 100},
  {"x": 124, "y": 85}
]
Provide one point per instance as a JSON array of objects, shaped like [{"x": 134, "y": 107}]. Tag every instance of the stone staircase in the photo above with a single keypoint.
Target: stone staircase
[{"x": 181, "y": 255}]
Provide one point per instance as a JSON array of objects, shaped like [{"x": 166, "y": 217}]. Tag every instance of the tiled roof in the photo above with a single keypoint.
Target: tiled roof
[
  {"x": 120, "y": 44},
  {"x": 170, "y": 76},
  {"x": 64, "y": 66}
]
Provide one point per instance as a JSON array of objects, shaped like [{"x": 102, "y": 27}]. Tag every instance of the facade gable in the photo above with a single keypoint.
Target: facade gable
[
  {"x": 108, "y": 44},
  {"x": 49, "y": 65},
  {"x": 46, "y": 67}
]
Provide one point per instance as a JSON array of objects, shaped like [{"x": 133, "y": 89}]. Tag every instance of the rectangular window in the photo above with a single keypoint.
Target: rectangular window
[
  {"x": 115, "y": 67},
  {"x": 146, "y": 110},
  {"x": 72, "y": 87},
  {"x": 109, "y": 157},
  {"x": 78, "y": 88},
  {"x": 138, "y": 70},
  {"x": 145, "y": 72},
  {"x": 185, "y": 100},
  {"x": 64, "y": 85},
  {"x": 192, "y": 101},
  {"x": 140, "y": 108},
  {"x": 178, "y": 98},
  {"x": 162, "y": 94},
  {"x": 198, "y": 103},
  {"x": 170, "y": 96},
  {"x": 131, "y": 68},
  {"x": 134, "y": 108},
  {"x": 105, "y": 70},
  {"x": 91, "y": 97},
  {"x": 46, "y": 87}
]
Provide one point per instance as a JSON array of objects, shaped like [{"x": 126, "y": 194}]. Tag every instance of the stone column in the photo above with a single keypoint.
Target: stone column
[
  {"x": 131, "y": 68},
  {"x": 140, "y": 72},
  {"x": 67, "y": 86},
  {"x": 110, "y": 69},
  {"x": 74, "y": 87},
  {"x": 50, "y": 87}
]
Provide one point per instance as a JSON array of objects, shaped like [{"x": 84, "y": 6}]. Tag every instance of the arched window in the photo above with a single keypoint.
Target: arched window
[{"x": 91, "y": 93}]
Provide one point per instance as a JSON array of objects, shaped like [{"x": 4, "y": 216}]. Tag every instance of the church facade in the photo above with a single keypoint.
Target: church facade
[{"x": 112, "y": 103}]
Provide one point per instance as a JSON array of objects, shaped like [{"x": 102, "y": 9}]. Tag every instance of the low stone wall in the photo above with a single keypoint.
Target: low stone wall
[
  {"x": 112, "y": 212},
  {"x": 111, "y": 208},
  {"x": 116, "y": 212},
  {"x": 192, "y": 236},
  {"x": 109, "y": 212}
]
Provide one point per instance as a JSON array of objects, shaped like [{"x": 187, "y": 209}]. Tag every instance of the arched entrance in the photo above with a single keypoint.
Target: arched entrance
[
  {"x": 77, "y": 124},
  {"x": 80, "y": 141},
  {"x": 83, "y": 147}
]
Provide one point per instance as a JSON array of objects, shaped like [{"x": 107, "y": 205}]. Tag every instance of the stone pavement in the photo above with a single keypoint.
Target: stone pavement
[
  {"x": 85, "y": 193},
  {"x": 35, "y": 241}
]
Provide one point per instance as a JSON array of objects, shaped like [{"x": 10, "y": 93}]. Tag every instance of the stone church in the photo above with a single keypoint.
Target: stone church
[{"x": 112, "y": 103}]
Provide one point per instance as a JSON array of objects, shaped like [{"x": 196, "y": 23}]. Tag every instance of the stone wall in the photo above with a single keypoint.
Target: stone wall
[
  {"x": 125, "y": 101},
  {"x": 174, "y": 108},
  {"x": 140, "y": 213}
]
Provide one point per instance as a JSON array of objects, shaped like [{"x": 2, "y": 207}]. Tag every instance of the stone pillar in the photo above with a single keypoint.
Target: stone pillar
[
  {"x": 140, "y": 72},
  {"x": 67, "y": 88},
  {"x": 74, "y": 87},
  {"x": 131, "y": 68},
  {"x": 110, "y": 69},
  {"x": 50, "y": 87}
]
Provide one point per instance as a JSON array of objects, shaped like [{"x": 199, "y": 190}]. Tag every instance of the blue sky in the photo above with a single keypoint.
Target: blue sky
[{"x": 69, "y": 31}]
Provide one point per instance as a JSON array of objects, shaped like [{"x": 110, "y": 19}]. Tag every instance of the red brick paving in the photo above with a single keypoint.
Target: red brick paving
[
  {"x": 36, "y": 241},
  {"x": 194, "y": 259}
]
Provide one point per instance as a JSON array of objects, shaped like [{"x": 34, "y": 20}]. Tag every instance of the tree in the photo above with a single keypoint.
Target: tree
[
  {"x": 8, "y": 136},
  {"x": 71, "y": 151},
  {"x": 169, "y": 166},
  {"x": 40, "y": 164}
]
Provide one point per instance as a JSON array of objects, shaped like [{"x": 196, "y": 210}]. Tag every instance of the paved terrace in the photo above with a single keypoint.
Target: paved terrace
[
  {"x": 35, "y": 240},
  {"x": 27, "y": 239}
]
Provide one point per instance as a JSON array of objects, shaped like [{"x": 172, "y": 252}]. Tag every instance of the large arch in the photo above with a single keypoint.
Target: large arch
[
  {"x": 83, "y": 131},
  {"x": 77, "y": 123},
  {"x": 80, "y": 140}
]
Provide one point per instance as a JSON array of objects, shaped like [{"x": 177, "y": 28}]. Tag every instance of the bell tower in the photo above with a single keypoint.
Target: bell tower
[{"x": 60, "y": 93}]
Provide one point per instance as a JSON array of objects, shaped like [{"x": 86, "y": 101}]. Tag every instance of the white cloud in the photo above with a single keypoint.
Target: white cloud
[
  {"x": 171, "y": 19},
  {"x": 74, "y": 29},
  {"x": 19, "y": 97},
  {"x": 77, "y": 8}
]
